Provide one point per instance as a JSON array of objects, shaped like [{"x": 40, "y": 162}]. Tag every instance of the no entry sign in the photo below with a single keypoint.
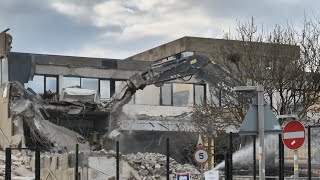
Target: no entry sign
[{"x": 293, "y": 134}]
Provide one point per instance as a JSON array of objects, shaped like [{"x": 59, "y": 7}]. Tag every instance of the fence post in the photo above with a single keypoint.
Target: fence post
[
  {"x": 117, "y": 161},
  {"x": 226, "y": 166},
  {"x": 280, "y": 157},
  {"x": 254, "y": 158},
  {"x": 77, "y": 163},
  {"x": 309, "y": 152},
  {"x": 37, "y": 164},
  {"x": 8, "y": 164},
  {"x": 282, "y": 160},
  {"x": 230, "y": 156},
  {"x": 168, "y": 159}
]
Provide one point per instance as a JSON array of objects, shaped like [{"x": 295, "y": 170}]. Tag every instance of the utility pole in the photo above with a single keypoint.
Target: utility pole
[{"x": 262, "y": 162}]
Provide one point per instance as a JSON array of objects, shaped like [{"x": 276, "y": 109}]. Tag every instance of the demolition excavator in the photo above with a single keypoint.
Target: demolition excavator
[{"x": 196, "y": 65}]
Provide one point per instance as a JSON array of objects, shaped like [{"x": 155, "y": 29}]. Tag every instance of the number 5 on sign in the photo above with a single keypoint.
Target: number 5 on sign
[{"x": 201, "y": 155}]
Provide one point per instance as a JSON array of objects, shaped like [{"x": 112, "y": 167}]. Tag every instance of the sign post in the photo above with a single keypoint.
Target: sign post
[
  {"x": 201, "y": 156},
  {"x": 293, "y": 137},
  {"x": 200, "y": 143}
]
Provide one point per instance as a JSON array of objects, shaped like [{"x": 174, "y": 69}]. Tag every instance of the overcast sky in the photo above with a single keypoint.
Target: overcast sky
[{"x": 121, "y": 28}]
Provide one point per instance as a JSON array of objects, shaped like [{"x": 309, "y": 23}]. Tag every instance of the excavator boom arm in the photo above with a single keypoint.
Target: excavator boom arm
[{"x": 158, "y": 73}]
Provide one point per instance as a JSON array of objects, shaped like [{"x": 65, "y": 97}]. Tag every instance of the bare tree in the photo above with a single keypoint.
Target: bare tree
[{"x": 285, "y": 61}]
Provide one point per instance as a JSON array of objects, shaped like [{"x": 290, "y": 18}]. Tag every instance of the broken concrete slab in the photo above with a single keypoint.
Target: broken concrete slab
[
  {"x": 22, "y": 171},
  {"x": 78, "y": 94},
  {"x": 55, "y": 137},
  {"x": 16, "y": 141},
  {"x": 21, "y": 178}
]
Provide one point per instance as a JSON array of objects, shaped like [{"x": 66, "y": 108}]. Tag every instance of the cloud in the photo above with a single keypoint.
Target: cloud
[
  {"x": 119, "y": 28},
  {"x": 136, "y": 19},
  {"x": 70, "y": 9}
]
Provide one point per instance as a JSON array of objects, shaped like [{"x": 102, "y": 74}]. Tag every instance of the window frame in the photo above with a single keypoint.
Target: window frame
[
  {"x": 193, "y": 98},
  {"x": 57, "y": 82},
  {"x": 45, "y": 82},
  {"x": 204, "y": 93},
  {"x": 171, "y": 95}
]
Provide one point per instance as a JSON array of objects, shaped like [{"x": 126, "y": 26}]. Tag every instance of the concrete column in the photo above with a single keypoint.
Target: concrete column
[
  {"x": 60, "y": 81},
  {"x": 4, "y": 71}
]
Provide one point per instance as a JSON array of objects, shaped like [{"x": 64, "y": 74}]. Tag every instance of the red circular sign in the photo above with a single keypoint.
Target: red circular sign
[
  {"x": 201, "y": 155},
  {"x": 293, "y": 134}
]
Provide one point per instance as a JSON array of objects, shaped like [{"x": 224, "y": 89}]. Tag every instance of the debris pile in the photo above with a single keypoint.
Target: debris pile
[
  {"x": 21, "y": 166},
  {"x": 144, "y": 166},
  {"x": 152, "y": 166},
  {"x": 28, "y": 114}
]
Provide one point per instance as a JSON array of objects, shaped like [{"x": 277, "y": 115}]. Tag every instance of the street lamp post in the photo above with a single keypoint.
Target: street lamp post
[
  {"x": 260, "y": 91},
  {"x": 262, "y": 163}
]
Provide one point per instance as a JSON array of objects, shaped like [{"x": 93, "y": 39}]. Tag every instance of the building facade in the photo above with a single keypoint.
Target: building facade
[{"x": 153, "y": 114}]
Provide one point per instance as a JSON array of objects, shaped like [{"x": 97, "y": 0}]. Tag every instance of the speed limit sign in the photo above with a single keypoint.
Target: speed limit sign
[{"x": 201, "y": 155}]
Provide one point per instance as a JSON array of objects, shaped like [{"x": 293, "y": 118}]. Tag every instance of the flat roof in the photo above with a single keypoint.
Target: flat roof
[{"x": 209, "y": 45}]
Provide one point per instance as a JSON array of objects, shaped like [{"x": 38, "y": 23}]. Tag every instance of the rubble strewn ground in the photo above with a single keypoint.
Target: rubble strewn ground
[
  {"x": 140, "y": 166},
  {"x": 152, "y": 166},
  {"x": 21, "y": 168},
  {"x": 149, "y": 166}
]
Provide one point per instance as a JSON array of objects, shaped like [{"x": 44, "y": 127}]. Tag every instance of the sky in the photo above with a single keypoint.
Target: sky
[{"x": 122, "y": 28}]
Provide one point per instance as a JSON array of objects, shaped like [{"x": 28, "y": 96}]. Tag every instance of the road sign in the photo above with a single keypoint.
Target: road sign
[
  {"x": 183, "y": 176},
  {"x": 199, "y": 141},
  {"x": 211, "y": 175},
  {"x": 201, "y": 155},
  {"x": 293, "y": 134}
]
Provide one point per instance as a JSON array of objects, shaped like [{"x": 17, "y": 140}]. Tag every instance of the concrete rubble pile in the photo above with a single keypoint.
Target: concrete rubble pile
[
  {"x": 99, "y": 165},
  {"x": 33, "y": 126},
  {"x": 26, "y": 111},
  {"x": 141, "y": 166},
  {"x": 20, "y": 168},
  {"x": 152, "y": 166}
]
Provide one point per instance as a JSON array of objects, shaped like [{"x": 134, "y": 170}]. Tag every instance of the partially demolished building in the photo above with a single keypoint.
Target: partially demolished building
[
  {"x": 67, "y": 95},
  {"x": 47, "y": 79},
  {"x": 56, "y": 101}
]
